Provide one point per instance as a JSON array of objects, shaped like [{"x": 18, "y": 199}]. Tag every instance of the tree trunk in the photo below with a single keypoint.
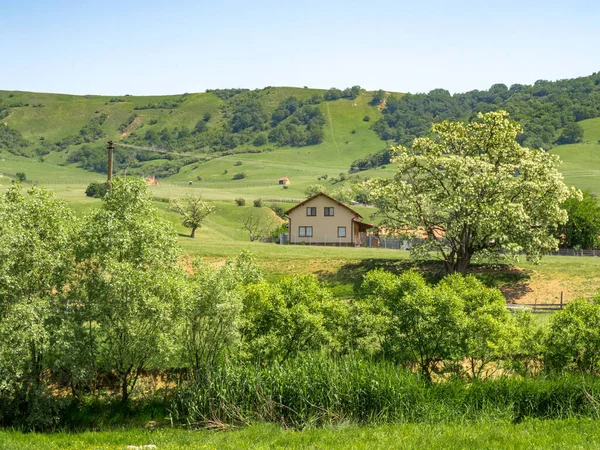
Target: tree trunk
[
  {"x": 193, "y": 235},
  {"x": 124, "y": 390}
]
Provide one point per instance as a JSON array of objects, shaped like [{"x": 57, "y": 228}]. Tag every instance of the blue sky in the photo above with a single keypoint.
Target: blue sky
[{"x": 150, "y": 47}]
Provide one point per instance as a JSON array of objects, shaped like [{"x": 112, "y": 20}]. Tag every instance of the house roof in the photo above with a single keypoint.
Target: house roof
[
  {"x": 325, "y": 195},
  {"x": 284, "y": 178}
]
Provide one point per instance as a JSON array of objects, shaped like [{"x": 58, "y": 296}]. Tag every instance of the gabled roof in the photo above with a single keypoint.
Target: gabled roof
[{"x": 325, "y": 195}]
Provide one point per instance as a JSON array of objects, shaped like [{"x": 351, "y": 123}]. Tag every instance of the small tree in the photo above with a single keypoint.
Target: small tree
[
  {"x": 257, "y": 202},
  {"x": 258, "y": 223},
  {"x": 313, "y": 189},
  {"x": 240, "y": 201},
  {"x": 21, "y": 176},
  {"x": 193, "y": 210}
]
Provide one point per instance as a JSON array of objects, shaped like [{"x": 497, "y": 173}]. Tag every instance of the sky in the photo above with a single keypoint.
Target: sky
[{"x": 168, "y": 47}]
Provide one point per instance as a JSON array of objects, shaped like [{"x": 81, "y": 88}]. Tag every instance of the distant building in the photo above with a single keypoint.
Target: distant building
[
  {"x": 322, "y": 220},
  {"x": 284, "y": 180}
]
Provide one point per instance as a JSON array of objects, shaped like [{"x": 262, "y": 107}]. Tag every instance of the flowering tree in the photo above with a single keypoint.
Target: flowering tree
[{"x": 472, "y": 188}]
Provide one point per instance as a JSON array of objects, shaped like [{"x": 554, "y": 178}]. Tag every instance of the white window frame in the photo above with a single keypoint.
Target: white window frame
[
  {"x": 338, "y": 233},
  {"x": 305, "y": 231}
]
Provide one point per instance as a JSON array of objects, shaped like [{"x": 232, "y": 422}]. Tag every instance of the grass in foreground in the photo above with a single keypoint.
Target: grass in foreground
[{"x": 532, "y": 434}]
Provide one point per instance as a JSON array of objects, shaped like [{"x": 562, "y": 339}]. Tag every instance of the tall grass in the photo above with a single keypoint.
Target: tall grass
[{"x": 315, "y": 390}]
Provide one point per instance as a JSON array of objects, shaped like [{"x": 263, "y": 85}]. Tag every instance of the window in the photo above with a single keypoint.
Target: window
[
  {"x": 341, "y": 231},
  {"x": 329, "y": 211},
  {"x": 305, "y": 231},
  {"x": 311, "y": 211}
]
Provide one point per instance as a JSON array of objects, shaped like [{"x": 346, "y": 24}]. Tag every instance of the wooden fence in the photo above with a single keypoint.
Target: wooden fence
[{"x": 535, "y": 307}]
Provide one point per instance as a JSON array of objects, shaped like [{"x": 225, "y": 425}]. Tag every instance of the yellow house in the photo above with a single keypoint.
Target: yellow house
[{"x": 322, "y": 220}]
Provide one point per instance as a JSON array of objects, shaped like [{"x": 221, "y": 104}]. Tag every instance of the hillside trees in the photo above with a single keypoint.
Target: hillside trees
[
  {"x": 472, "y": 188},
  {"x": 193, "y": 210},
  {"x": 543, "y": 110},
  {"x": 571, "y": 134}
]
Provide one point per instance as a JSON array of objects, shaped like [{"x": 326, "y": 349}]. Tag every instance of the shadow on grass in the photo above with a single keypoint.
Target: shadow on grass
[{"x": 512, "y": 281}]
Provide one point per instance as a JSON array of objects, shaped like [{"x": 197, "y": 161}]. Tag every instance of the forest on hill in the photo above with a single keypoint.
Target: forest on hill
[{"x": 159, "y": 135}]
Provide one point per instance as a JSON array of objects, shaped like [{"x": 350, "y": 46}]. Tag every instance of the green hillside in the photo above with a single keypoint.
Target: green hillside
[
  {"x": 581, "y": 162},
  {"x": 184, "y": 137}
]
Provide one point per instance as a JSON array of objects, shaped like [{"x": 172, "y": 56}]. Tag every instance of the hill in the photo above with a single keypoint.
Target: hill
[{"x": 231, "y": 142}]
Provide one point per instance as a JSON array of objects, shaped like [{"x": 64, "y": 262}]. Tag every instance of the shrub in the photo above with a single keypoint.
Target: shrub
[
  {"x": 260, "y": 140},
  {"x": 238, "y": 163},
  {"x": 239, "y": 176},
  {"x": 96, "y": 190},
  {"x": 199, "y": 178},
  {"x": 278, "y": 209},
  {"x": 366, "y": 119},
  {"x": 21, "y": 176},
  {"x": 240, "y": 201},
  {"x": 258, "y": 202}
]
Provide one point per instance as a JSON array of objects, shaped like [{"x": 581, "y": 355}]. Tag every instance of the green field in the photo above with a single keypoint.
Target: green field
[{"x": 534, "y": 434}]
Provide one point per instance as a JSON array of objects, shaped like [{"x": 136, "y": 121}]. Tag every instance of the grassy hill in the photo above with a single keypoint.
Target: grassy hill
[{"x": 581, "y": 162}]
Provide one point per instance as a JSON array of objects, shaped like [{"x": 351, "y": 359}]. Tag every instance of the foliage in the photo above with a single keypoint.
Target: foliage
[
  {"x": 583, "y": 226},
  {"x": 372, "y": 160},
  {"x": 36, "y": 259},
  {"x": 437, "y": 328},
  {"x": 571, "y": 134},
  {"x": 20, "y": 176},
  {"x": 193, "y": 210},
  {"x": 257, "y": 202},
  {"x": 283, "y": 319},
  {"x": 11, "y": 140},
  {"x": 211, "y": 312},
  {"x": 313, "y": 189},
  {"x": 240, "y": 201},
  {"x": 573, "y": 340},
  {"x": 476, "y": 187},
  {"x": 239, "y": 176},
  {"x": 96, "y": 189},
  {"x": 348, "y": 93},
  {"x": 257, "y": 223},
  {"x": 127, "y": 285},
  {"x": 542, "y": 109}
]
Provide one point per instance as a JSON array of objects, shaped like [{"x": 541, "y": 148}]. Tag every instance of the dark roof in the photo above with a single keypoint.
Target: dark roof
[{"x": 315, "y": 196}]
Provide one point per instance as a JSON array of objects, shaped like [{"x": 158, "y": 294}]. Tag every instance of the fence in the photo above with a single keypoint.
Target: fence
[{"x": 536, "y": 307}]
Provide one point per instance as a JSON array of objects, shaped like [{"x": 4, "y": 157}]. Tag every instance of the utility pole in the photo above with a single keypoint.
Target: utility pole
[{"x": 111, "y": 148}]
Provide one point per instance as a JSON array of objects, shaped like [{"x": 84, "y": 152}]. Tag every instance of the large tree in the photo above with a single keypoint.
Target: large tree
[
  {"x": 472, "y": 188},
  {"x": 128, "y": 286}
]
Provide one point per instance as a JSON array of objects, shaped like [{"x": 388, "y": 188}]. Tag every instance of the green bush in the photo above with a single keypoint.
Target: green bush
[
  {"x": 96, "y": 190},
  {"x": 240, "y": 201},
  {"x": 257, "y": 202},
  {"x": 239, "y": 176}
]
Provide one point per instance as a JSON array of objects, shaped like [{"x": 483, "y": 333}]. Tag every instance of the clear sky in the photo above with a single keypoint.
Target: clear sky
[{"x": 162, "y": 47}]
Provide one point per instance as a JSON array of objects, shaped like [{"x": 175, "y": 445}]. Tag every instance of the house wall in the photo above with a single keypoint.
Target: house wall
[{"x": 325, "y": 228}]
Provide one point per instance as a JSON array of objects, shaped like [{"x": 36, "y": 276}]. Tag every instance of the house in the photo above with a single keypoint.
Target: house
[
  {"x": 284, "y": 180},
  {"x": 322, "y": 220}
]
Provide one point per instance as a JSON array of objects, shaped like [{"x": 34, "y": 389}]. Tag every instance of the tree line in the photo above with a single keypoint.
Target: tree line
[{"x": 547, "y": 110}]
